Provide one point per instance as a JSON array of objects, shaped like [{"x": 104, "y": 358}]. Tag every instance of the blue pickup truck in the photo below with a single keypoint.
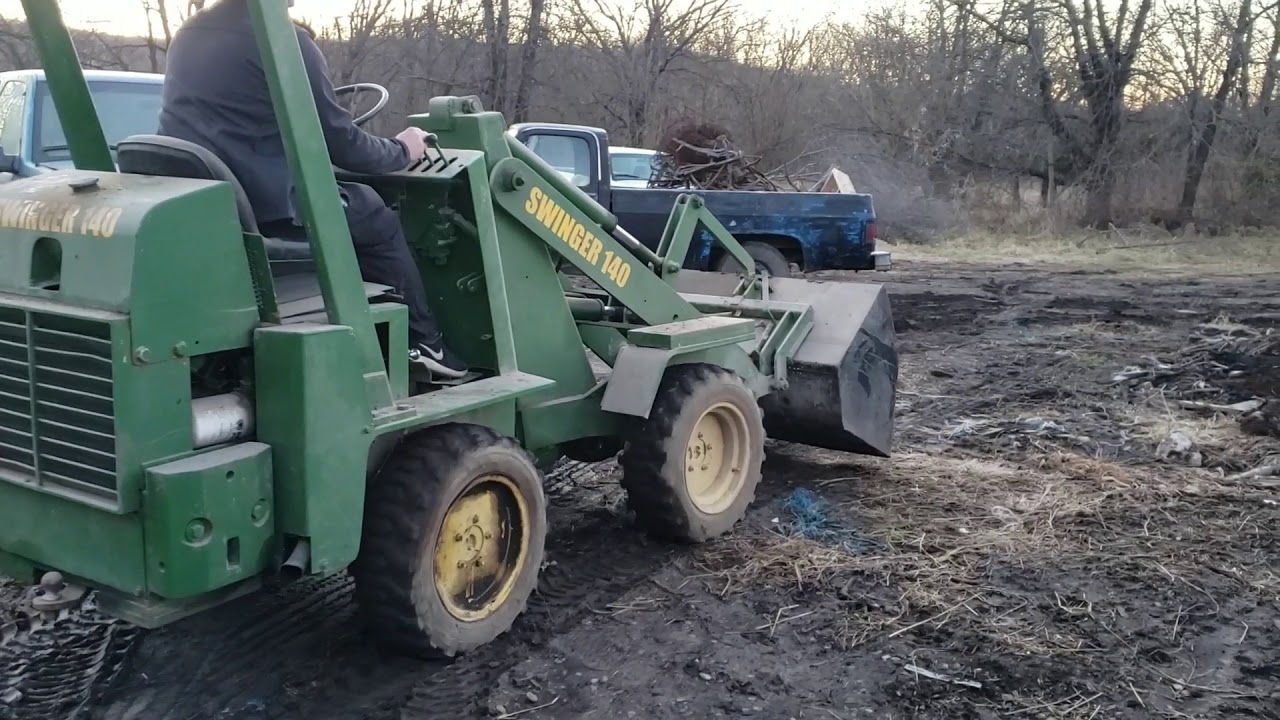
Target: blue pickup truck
[
  {"x": 781, "y": 230},
  {"x": 31, "y": 138}
]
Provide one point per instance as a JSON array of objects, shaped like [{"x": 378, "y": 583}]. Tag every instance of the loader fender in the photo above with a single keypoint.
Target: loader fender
[
  {"x": 642, "y": 362},
  {"x": 634, "y": 382}
]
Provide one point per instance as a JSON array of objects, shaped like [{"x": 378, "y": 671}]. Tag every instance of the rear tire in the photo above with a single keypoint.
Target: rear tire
[
  {"x": 767, "y": 257},
  {"x": 691, "y": 470},
  {"x": 454, "y": 529}
]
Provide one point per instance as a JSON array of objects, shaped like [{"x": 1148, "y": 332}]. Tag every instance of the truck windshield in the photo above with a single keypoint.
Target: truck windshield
[
  {"x": 631, "y": 166},
  {"x": 124, "y": 108}
]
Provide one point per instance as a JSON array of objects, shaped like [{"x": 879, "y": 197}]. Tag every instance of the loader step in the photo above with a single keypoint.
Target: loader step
[{"x": 453, "y": 401}]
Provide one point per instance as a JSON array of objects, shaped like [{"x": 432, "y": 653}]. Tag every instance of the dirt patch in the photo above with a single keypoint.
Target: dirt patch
[
  {"x": 1078, "y": 522},
  {"x": 943, "y": 588},
  {"x": 1074, "y": 526}
]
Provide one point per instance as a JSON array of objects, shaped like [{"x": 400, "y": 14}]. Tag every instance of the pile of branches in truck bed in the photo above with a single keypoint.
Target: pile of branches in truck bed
[{"x": 703, "y": 156}]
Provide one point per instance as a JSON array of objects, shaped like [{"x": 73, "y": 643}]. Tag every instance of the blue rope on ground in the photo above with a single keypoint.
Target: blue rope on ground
[{"x": 811, "y": 517}]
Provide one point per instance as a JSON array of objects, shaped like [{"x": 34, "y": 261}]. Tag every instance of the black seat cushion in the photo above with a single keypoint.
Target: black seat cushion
[{"x": 162, "y": 156}]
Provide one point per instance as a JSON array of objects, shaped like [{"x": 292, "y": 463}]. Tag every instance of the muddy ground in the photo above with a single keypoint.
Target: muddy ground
[{"x": 1080, "y": 521}]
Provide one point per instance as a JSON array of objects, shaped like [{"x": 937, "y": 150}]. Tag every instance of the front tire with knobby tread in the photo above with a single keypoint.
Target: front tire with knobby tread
[
  {"x": 659, "y": 450},
  {"x": 405, "y": 512}
]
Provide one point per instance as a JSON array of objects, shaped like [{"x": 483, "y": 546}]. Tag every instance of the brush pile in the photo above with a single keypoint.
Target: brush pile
[{"x": 703, "y": 156}]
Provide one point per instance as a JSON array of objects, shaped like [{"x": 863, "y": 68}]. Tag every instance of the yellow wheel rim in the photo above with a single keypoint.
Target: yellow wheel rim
[
  {"x": 716, "y": 458},
  {"x": 482, "y": 548}
]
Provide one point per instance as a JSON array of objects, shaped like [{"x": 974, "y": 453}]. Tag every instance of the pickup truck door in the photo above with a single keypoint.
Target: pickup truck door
[{"x": 579, "y": 155}]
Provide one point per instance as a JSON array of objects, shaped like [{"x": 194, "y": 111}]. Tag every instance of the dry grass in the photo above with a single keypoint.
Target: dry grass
[
  {"x": 944, "y": 527},
  {"x": 1148, "y": 251}
]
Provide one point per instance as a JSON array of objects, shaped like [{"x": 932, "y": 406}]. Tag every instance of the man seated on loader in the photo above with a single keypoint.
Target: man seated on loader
[{"x": 216, "y": 96}]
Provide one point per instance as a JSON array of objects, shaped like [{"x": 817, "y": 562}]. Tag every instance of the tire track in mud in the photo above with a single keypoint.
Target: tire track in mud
[
  {"x": 233, "y": 661},
  {"x": 591, "y": 569},
  {"x": 52, "y": 665},
  {"x": 595, "y": 565},
  {"x": 299, "y": 651},
  {"x": 593, "y": 557}
]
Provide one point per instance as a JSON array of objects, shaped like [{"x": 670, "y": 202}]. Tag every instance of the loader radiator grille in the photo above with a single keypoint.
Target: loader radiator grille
[{"x": 57, "y": 422}]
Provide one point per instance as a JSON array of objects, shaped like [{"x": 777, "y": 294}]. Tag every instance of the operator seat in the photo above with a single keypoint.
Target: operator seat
[{"x": 162, "y": 156}]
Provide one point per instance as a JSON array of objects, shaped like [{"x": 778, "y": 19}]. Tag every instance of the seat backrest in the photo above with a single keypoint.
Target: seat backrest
[{"x": 163, "y": 156}]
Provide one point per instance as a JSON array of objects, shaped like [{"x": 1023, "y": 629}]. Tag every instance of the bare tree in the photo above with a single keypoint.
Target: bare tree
[
  {"x": 533, "y": 37},
  {"x": 640, "y": 44},
  {"x": 1202, "y": 143},
  {"x": 165, "y": 20},
  {"x": 1102, "y": 50},
  {"x": 15, "y": 43},
  {"x": 357, "y": 37},
  {"x": 497, "y": 38}
]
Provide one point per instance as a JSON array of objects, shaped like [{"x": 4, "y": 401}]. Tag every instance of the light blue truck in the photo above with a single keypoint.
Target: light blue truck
[{"x": 31, "y": 139}]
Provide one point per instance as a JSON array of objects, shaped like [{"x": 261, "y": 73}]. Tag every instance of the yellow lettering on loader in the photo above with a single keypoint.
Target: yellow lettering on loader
[
  {"x": 531, "y": 205},
  {"x": 59, "y": 217},
  {"x": 547, "y": 208},
  {"x": 544, "y": 210}
]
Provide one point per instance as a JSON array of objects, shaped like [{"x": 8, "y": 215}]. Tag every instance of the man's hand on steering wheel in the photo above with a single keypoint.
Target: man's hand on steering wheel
[{"x": 384, "y": 96}]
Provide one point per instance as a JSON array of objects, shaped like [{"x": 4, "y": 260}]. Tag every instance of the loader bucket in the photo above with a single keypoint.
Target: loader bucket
[{"x": 843, "y": 378}]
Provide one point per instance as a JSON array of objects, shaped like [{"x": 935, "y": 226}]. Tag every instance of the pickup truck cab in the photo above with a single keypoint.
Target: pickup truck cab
[
  {"x": 31, "y": 139},
  {"x": 781, "y": 230}
]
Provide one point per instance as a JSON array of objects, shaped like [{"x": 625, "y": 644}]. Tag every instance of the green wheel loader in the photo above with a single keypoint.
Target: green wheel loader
[{"x": 190, "y": 410}]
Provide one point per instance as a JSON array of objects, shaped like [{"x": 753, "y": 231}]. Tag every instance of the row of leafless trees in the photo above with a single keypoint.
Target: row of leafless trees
[{"x": 1114, "y": 111}]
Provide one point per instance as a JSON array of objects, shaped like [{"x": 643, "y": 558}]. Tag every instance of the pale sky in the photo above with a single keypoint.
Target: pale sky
[{"x": 126, "y": 16}]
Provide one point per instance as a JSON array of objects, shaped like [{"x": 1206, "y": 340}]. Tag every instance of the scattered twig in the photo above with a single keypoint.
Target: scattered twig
[
  {"x": 944, "y": 613},
  {"x": 778, "y": 619},
  {"x": 1247, "y": 406},
  {"x": 1134, "y": 690},
  {"x": 505, "y": 716},
  {"x": 1258, "y": 472},
  {"x": 941, "y": 678}
]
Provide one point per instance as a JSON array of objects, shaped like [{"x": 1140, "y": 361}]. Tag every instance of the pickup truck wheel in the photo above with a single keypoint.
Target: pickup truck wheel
[{"x": 767, "y": 258}]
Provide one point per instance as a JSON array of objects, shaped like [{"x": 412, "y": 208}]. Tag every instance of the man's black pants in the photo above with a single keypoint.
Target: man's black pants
[{"x": 382, "y": 253}]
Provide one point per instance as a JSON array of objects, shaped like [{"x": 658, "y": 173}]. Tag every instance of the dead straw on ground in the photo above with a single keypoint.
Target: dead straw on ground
[{"x": 941, "y": 528}]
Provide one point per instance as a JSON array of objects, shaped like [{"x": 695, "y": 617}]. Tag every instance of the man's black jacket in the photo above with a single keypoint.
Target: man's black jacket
[{"x": 216, "y": 96}]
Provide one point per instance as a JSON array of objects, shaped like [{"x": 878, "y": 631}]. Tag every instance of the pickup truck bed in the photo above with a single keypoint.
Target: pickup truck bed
[
  {"x": 814, "y": 231},
  {"x": 817, "y": 231}
]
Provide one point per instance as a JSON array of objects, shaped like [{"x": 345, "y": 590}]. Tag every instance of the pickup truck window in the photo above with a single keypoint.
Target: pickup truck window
[
  {"x": 570, "y": 155},
  {"x": 631, "y": 166},
  {"x": 11, "y": 116},
  {"x": 124, "y": 109}
]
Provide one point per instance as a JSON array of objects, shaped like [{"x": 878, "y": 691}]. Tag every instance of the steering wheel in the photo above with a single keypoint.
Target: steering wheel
[{"x": 384, "y": 96}]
